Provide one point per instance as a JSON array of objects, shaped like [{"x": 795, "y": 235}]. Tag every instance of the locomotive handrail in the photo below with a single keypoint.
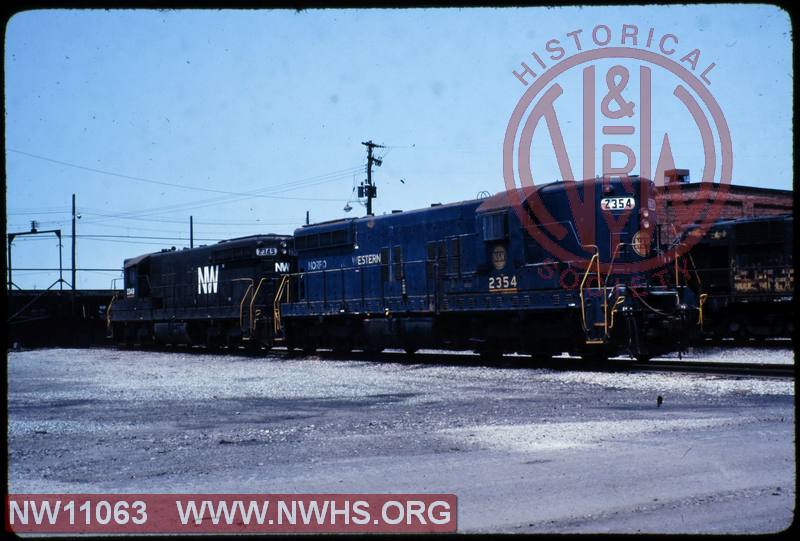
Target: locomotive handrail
[
  {"x": 253, "y": 302},
  {"x": 605, "y": 285},
  {"x": 595, "y": 258},
  {"x": 619, "y": 301},
  {"x": 276, "y": 303},
  {"x": 676, "y": 241},
  {"x": 701, "y": 302},
  {"x": 241, "y": 304},
  {"x": 108, "y": 310},
  {"x": 677, "y": 258}
]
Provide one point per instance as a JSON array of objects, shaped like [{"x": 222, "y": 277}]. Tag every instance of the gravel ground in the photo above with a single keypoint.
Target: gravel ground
[{"x": 525, "y": 449}]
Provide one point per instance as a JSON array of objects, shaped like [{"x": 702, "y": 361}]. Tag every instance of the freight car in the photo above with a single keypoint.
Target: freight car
[
  {"x": 215, "y": 295},
  {"x": 469, "y": 276},
  {"x": 745, "y": 267}
]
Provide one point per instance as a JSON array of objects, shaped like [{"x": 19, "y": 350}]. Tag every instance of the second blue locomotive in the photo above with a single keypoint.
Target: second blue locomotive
[{"x": 469, "y": 276}]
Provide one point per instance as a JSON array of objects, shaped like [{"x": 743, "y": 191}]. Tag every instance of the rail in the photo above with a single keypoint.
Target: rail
[{"x": 709, "y": 367}]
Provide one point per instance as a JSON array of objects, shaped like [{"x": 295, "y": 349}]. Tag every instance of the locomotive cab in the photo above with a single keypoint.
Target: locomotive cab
[{"x": 594, "y": 244}]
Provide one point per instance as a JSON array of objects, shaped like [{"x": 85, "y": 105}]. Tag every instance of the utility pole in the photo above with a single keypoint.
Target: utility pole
[
  {"x": 369, "y": 190},
  {"x": 60, "y": 263},
  {"x": 191, "y": 231},
  {"x": 73, "y": 241},
  {"x": 8, "y": 254}
]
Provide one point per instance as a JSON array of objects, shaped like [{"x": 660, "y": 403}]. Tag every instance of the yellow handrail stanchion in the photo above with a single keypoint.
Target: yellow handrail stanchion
[
  {"x": 253, "y": 302},
  {"x": 703, "y": 297},
  {"x": 244, "y": 297},
  {"x": 108, "y": 311},
  {"x": 595, "y": 258},
  {"x": 276, "y": 304},
  {"x": 619, "y": 301}
]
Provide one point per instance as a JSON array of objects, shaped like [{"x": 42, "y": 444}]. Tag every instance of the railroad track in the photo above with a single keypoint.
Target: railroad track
[
  {"x": 740, "y": 369},
  {"x": 576, "y": 363},
  {"x": 517, "y": 361}
]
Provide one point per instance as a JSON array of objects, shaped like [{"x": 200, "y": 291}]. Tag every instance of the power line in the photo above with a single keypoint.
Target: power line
[
  {"x": 192, "y": 205},
  {"x": 37, "y": 213},
  {"x": 161, "y": 182},
  {"x": 92, "y": 236},
  {"x": 120, "y": 241},
  {"x": 85, "y": 236},
  {"x": 220, "y": 200}
]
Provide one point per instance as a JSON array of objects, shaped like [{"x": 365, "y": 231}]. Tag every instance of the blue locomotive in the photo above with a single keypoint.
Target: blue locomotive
[
  {"x": 217, "y": 295},
  {"x": 472, "y": 276}
]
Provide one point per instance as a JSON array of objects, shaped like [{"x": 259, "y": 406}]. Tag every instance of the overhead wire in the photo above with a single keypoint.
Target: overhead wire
[
  {"x": 158, "y": 182},
  {"x": 191, "y": 205}
]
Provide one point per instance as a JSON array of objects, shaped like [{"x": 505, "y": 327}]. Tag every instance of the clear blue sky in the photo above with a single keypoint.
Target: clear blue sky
[{"x": 279, "y": 102}]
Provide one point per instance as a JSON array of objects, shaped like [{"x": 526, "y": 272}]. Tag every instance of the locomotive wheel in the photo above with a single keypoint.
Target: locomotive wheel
[
  {"x": 309, "y": 349},
  {"x": 410, "y": 350}
]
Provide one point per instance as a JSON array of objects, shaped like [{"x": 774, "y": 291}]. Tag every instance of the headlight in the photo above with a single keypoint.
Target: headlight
[{"x": 645, "y": 224}]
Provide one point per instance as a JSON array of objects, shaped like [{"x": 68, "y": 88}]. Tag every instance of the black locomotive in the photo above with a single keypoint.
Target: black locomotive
[
  {"x": 222, "y": 294},
  {"x": 469, "y": 276},
  {"x": 746, "y": 272}
]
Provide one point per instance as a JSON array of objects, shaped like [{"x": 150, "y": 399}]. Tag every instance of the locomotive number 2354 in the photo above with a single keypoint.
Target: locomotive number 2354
[
  {"x": 617, "y": 203},
  {"x": 502, "y": 282}
]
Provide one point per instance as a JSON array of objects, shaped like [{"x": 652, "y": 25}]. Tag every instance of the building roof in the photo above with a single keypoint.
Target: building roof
[{"x": 732, "y": 188}]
